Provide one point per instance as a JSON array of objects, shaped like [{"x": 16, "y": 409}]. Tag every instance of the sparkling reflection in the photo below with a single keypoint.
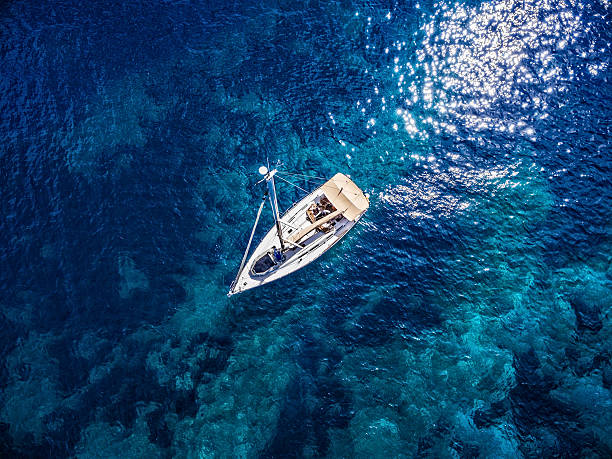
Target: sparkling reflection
[
  {"x": 432, "y": 195},
  {"x": 474, "y": 65},
  {"x": 483, "y": 56}
]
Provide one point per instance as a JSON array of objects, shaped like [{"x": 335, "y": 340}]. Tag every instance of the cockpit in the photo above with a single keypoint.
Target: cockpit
[{"x": 321, "y": 209}]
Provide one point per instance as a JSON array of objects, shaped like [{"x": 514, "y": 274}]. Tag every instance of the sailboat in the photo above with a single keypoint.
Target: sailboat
[{"x": 303, "y": 233}]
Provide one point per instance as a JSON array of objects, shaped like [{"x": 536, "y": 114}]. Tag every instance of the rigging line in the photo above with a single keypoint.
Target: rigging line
[
  {"x": 293, "y": 184},
  {"x": 315, "y": 182},
  {"x": 354, "y": 193},
  {"x": 302, "y": 175},
  {"x": 246, "y": 252}
]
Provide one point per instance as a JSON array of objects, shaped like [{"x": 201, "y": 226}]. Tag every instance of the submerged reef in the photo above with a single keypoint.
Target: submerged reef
[{"x": 466, "y": 315}]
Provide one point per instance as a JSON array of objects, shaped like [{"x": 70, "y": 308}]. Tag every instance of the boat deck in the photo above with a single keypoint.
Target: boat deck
[{"x": 307, "y": 233}]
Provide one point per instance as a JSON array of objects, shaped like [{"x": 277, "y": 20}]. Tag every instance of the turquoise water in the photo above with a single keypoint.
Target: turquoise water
[{"x": 467, "y": 314}]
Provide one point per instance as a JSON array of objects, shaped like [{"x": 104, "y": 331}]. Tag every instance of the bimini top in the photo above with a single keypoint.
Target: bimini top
[{"x": 345, "y": 196}]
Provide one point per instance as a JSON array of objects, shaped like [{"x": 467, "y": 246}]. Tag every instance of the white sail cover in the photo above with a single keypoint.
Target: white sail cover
[{"x": 345, "y": 196}]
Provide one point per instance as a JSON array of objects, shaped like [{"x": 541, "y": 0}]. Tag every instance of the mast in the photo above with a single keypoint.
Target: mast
[{"x": 269, "y": 176}]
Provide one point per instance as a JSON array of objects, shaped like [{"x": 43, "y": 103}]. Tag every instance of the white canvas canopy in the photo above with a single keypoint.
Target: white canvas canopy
[{"x": 345, "y": 196}]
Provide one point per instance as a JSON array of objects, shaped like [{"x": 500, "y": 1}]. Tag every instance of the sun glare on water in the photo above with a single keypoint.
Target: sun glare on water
[{"x": 472, "y": 64}]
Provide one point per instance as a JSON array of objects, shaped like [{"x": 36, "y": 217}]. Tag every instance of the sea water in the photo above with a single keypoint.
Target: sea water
[{"x": 467, "y": 314}]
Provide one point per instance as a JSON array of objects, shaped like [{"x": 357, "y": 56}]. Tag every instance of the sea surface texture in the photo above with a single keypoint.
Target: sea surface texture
[{"x": 468, "y": 314}]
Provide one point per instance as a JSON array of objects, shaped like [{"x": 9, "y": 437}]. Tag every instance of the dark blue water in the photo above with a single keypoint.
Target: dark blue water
[{"x": 469, "y": 312}]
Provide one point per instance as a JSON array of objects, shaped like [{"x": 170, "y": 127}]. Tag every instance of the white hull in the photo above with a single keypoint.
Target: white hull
[{"x": 314, "y": 245}]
